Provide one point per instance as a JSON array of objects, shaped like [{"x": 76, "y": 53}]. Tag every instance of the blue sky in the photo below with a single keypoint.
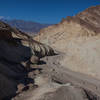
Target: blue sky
[{"x": 43, "y": 11}]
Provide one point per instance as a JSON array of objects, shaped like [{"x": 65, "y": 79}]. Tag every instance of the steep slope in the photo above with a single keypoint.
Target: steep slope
[
  {"x": 26, "y": 75},
  {"x": 26, "y": 26},
  {"x": 78, "y": 37},
  {"x": 85, "y": 23},
  {"x": 18, "y": 52}
]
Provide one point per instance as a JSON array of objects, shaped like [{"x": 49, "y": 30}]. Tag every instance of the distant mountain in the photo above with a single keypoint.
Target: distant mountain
[{"x": 26, "y": 26}]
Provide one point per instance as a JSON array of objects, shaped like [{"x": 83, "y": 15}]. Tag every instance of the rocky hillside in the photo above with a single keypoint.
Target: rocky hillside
[
  {"x": 26, "y": 26},
  {"x": 85, "y": 23},
  {"x": 78, "y": 37},
  {"x": 18, "y": 52},
  {"x": 30, "y": 70}
]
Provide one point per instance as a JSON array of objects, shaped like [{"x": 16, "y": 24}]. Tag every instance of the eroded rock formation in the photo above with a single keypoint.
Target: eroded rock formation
[
  {"x": 27, "y": 73},
  {"x": 17, "y": 52}
]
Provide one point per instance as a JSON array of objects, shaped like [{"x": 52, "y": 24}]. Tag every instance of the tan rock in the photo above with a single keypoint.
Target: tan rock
[
  {"x": 20, "y": 88},
  {"x": 78, "y": 37},
  {"x": 34, "y": 59}
]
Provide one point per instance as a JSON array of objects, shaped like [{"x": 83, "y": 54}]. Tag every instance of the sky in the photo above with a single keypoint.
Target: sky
[{"x": 43, "y": 11}]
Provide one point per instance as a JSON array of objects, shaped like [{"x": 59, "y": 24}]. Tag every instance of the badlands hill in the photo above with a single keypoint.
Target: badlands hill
[
  {"x": 78, "y": 37},
  {"x": 30, "y": 70}
]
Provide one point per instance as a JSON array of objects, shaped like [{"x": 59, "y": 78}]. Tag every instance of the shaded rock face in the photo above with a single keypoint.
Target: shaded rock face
[
  {"x": 17, "y": 52},
  {"x": 78, "y": 38}
]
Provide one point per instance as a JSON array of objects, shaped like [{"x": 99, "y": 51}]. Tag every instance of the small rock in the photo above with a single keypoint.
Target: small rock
[
  {"x": 36, "y": 72},
  {"x": 20, "y": 88},
  {"x": 34, "y": 59},
  {"x": 31, "y": 75}
]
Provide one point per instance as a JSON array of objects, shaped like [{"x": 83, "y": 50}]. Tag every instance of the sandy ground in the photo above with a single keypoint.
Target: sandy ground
[{"x": 55, "y": 78}]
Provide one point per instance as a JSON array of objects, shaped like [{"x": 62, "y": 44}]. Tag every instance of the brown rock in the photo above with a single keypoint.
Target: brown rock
[
  {"x": 20, "y": 88},
  {"x": 34, "y": 59}
]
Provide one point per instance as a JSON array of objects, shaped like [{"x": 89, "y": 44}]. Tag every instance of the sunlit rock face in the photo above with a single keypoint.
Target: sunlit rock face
[{"x": 78, "y": 37}]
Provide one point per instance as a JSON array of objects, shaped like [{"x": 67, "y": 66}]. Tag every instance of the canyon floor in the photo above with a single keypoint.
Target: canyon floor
[{"x": 58, "y": 83}]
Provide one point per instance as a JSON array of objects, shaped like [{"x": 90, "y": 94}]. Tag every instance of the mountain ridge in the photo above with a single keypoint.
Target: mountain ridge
[
  {"x": 78, "y": 37},
  {"x": 29, "y": 27},
  {"x": 31, "y": 70},
  {"x": 87, "y": 20}
]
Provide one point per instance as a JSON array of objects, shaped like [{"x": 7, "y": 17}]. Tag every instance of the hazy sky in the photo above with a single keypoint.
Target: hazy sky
[{"x": 43, "y": 11}]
